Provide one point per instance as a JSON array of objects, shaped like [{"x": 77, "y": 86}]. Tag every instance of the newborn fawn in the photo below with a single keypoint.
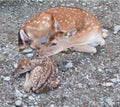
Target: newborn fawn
[{"x": 43, "y": 74}]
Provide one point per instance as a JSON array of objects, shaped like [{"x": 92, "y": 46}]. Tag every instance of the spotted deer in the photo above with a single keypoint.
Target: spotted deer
[
  {"x": 43, "y": 74},
  {"x": 80, "y": 30}
]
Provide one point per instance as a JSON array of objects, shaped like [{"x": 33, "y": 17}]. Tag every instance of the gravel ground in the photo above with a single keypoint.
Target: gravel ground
[{"x": 86, "y": 80}]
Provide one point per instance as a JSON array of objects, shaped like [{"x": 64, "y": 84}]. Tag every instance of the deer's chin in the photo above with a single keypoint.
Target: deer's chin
[{"x": 21, "y": 47}]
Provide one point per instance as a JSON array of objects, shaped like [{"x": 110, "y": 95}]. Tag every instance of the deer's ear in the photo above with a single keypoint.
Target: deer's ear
[
  {"x": 56, "y": 25},
  {"x": 72, "y": 32},
  {"x": 21, "y": 42}
]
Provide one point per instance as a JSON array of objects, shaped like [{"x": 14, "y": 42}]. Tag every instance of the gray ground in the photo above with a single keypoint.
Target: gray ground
[{"x": 92, "y": 81}]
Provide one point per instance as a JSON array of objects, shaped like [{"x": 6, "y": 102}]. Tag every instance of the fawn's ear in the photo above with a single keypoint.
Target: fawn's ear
[
  {"x": 56, "y": 25},
  {"x": 71, "y": 33},
  {"x": 21, "y": 42}
]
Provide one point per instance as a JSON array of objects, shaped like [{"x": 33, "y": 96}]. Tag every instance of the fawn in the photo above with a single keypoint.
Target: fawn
[
  {"x": 69, "y": 27},
  {"x": 43, "y": 74}
]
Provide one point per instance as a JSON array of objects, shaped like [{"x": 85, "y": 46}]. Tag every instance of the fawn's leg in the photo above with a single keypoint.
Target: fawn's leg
[
  {"x": 54, "y": 83},
  {"x": 27, "y": 83},
  {"x": 85, "y": 48}
]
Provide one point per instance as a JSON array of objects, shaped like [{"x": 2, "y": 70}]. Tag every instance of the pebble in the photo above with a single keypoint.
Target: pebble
[
  {"x": 104, "y": 30},
  {"x": 115, "y": 80},
  {"x": 36, "y": 103},
  {"x": 100, "y": 70},
  {"x": 66, "y": 106},
  {"x": 18, "y": 103},
  {"x": 77, "y": 0},
  {"x": 7, "y": 78},
  {"x": 30, "y": 98},
  {"x": 28, "y": 50},
  {"x": 84, "y": 4},
  {"x": 70, "y": 4},
  {"x": 25, "y": 96},
  {"x": 18, "y": 93},
  {"x": 40, "y": 0},
  {"x": 29, "y": 55},
  {"x": 25, "y": 106},
  {"x": 110, "y": 102},
  {"x": 69, "y": 64},
  {"x": 85, "y": 0},
  {"x": 108, "y": 84},
  {"x": 116, "y": 29},
  {"x": 52, "y": 105},
  {"x": 15, "y": 65}
]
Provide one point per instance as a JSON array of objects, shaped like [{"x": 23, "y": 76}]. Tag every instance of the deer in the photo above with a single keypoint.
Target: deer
[
  {"x": 60, "y": 28},
  {"x": 41, "y": 74}
]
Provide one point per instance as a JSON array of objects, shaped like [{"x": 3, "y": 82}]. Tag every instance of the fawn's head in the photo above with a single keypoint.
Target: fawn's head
[
  {"x": 56, "y": 43},
  {"x": 23, "y": 66},
  {"x": 37, "y": 27}
]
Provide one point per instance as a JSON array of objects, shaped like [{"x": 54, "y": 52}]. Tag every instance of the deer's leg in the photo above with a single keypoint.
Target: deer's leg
[
  {"x": 27, "y": 83},
  {"x": 84, "y": 48}
]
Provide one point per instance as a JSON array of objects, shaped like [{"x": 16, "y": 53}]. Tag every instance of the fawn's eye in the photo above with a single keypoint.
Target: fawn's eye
[
  {"x": 30, "y": 64},
  {"x": 22, "y": 68},
  {"x": 53, "y": 44}
]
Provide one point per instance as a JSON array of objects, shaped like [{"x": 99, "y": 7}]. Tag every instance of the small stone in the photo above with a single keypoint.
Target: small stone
[
  {"x": 69, "y": 64},
  {"x": 18, "y": 103},
  {"x": 70, "y": 4},
  {"x": 29, "y": 55},
  {"x": 108, "y": 84},
  {"x": 28, "y": 50},
  {"x": 36, "y": 103},
  {"x": 116, "y": 29},
  {"x": 52, "y": 105},
  {"x": 25, "y": 96},
  {"x": 95, "y": 7},
  {"x": 104, "y": 30},
  {"x": 100, "y": 70},
  {"x": 30, "y": 98},
  {"x": 66, "y": 106},
  {"x": 85, "y": 0},
  {"x": 25, "y": 106},
  {"x": 7, "y": 78},
  {"x": 18, "y": 93},
  {"x": 15, "y": 65},
  {"x": 40, "y": 0},
  {"x": 110, "y": 102},
  {"x": 115, "y": 80},
  {"x": 84, "y": 4}
]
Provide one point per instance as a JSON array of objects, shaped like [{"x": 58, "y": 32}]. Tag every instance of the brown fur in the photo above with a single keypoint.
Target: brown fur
[{"x": 45, "y": 24}]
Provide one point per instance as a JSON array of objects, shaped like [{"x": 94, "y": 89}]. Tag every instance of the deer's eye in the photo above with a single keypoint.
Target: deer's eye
[
  {"x": 53, "y": 44},
  {"x": 22, "y": 68},
  {"x": 30, "y": 64}
]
